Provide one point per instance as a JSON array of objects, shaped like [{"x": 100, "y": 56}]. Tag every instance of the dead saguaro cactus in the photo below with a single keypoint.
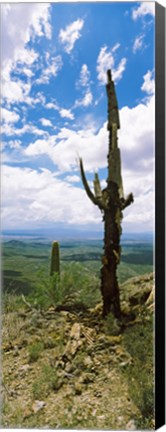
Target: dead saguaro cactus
[
  {"x": 55, "y": 260},
  {"x": 111, "y": 202}
]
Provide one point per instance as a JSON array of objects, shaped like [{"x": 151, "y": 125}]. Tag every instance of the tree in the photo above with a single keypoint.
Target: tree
[{"x": 111, "y": 202}]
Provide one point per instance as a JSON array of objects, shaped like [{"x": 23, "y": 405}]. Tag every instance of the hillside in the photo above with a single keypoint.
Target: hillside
[{"x": 72, "y": 369}]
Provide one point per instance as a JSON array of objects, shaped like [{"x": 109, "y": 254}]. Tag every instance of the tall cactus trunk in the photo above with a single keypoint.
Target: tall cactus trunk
[
  {"x": 111, "y": 202},
  {"x": 110, "y": 259},
  {"x": 55, "y": 261}
]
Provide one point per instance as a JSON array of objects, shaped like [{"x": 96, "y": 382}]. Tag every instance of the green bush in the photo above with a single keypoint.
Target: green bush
[
  {"x": 11, "y": 302},
  {"x": 47, "y": 381},
  {"x": 140, "y": 373},
  {"x": 35, "y": 350},
  {"x": 76, "y": 284}
]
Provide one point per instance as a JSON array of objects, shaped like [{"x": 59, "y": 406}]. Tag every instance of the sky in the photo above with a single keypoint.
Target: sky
[{"x": 54, "y": 59}]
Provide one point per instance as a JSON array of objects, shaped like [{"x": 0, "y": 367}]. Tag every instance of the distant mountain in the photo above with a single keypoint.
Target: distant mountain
[{"x": 60, "y": 233}]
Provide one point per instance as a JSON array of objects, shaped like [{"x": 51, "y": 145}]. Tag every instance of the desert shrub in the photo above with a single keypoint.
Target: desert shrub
[
  {"x": 75, "y": 284},
  {"x": 111, "y": 325},
  {"x": 11, "y": 302},
  {"x": 34, "y": 351},
  {"x": 140, "y": 374},
  {"x": 47, "y": 381}
]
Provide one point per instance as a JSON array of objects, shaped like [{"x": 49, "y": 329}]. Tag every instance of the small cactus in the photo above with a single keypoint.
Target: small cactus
[{"x": 55, "y": 262}]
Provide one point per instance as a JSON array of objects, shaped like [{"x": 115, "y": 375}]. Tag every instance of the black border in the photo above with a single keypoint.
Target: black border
[{"x": 160, "y": 216}]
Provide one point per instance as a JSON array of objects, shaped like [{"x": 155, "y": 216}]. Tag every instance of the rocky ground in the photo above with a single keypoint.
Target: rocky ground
[{"x": 72, "y": 369}]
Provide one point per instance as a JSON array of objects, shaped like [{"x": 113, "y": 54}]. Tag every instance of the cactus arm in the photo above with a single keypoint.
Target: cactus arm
[
  {"x": 126, "y": 202},
  {"x": 96, "y": 200},
  {"x": 86, "y": 186},
  {"x": 97, "y": 187}
]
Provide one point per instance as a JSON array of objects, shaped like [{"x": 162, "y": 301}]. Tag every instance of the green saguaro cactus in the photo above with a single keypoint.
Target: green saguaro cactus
[
  {"x": 111, "y": 202},
  {"x": 55, "y": 259}
]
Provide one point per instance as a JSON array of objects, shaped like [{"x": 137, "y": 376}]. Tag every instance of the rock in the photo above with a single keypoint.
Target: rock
[
  {"x": 24, "y": 368},
  {"x": 75, "y": 332},
  {"x": 88, "y": 362},
  {"x": 86, "y": 378},
  {"x": 74, "y": 341},
  {"x": 27, "y": 413},
  {"x": 71, "y": 348},
  {"x": 38, "y": 405},
  {"x": 141, "y": 296},
  {"x": 69, "y": 367},
  {"x": 131, "y": 425},
  {"x": 78, "y": 388}
]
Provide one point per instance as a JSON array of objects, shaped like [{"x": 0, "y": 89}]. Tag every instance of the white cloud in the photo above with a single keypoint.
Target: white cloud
[
  {"x": 10, "y": 130},
  {"x": 84, "y": 79},
  {"x": 63, "y": 112},
  {"x": 116, "y": 46},
  {"x": 117, "y": 73},
  {"x": 138, "y": 43},
  {"x": 15, "y": 91},
  {"x": 71, "y": 34},
  {"x": 85, "y": 101},
  {"x": 45, "y": 122},
  {"x": 26, "y": 56},
  {"x": 149, "y": 83},
  {"x": 9, "y": 116},
  {"x": 19, "y": 24},
  {"x": 31, "y": 19},
  {"x": 14, "y": 144},
  {"x": 72, "y": 179},
  {"x": 52, "y": 69},
  {"x": 145, "y": 8},
  {"x": 27, "y": 72},
  {"x": 52, "y": 105},
  {"x": 85, "y": 83},
  {"x": 136, "y": 142},
  {"x": 66, "y": 113},
  {"x": 106, "y": 61},
  {"x": 38, "y": 197}
]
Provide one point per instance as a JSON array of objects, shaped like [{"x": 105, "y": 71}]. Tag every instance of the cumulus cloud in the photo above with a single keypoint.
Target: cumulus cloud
[
  {"x": 136, "y": 142},
  {"x": 39, "y": 196},
  {"x": 9, "y": 116},
  {"x": 149, "y": 83},
  {"x": 52, "y": 105},
  {"x": 9, "y": 130},
  {"x": 145, "y": 8},
  {"x": 33, "y": 19},
  {"x": 16, "y": 91},
  {"x": 66, "y": 113},
  {"x": 106, "y": 60},
  {"x": 63, "y": 112},
  {"x": 71, "y": 34},
  {"x": 136, "y": 139},
  {"x": 72, "y": 179},
  {"x": 45, "y": 122}
]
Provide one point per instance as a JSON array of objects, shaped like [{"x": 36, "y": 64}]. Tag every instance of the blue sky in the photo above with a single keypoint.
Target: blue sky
[{"x": 54, "y": 109}]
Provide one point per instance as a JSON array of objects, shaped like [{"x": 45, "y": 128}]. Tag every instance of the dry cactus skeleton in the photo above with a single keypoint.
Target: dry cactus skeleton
[{"x": 111, "y": 202}]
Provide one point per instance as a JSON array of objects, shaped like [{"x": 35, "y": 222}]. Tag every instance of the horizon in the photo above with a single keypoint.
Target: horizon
[
  {"x": 54, "y": 109},
  {"x": 73, "y": 235}
]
